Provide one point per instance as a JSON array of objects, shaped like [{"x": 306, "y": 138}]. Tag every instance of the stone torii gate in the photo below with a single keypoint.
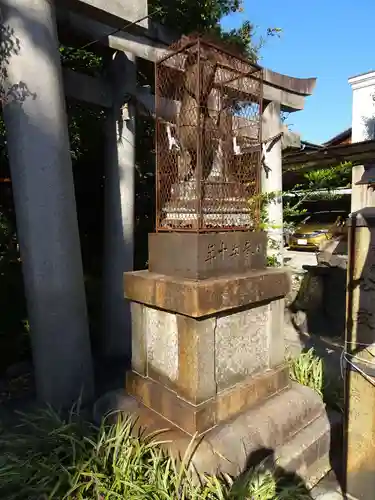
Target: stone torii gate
[{"x": 41, "y": 170}]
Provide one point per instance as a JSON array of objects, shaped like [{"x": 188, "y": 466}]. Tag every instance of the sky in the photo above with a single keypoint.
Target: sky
[{"x": 331, "y": 40}]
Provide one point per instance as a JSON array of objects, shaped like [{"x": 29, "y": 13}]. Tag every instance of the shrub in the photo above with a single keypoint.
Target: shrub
[{"x": 50, "y": 457}]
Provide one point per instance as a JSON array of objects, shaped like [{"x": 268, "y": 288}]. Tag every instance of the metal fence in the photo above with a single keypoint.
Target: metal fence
[{"x": 208, "y": 138}]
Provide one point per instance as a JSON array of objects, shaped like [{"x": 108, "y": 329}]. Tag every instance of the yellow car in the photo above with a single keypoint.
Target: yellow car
[{"x": 317, "y": 228}]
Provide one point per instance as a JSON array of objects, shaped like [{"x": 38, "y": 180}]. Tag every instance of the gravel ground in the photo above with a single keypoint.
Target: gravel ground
[{"x": 295, "y": 259}]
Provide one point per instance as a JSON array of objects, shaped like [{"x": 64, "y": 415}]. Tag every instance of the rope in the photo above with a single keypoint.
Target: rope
[
  {"x": 273, "y": 138},
  {"x": 352, "y": 360}
]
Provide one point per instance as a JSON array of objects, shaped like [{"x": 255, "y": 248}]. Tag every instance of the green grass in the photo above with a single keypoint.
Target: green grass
[
  {"x": 307, "y": 369},
  {"x": 50, "y": 457}
]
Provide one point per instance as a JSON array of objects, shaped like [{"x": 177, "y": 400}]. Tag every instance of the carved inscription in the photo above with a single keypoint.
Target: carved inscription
[
  {"x": 211, "y": 252},
  {"x": 367, "y": 280},
  {"x": 365, "y": 318},
  {"x": 360, "y": 421},
  {"x": 235, "y": 251},
  {"x": 367, "y": 283},
  {"x": 257, "y": 249},
  {"x": 247, "y": 247},
  {"x": 222, "y": 251}
]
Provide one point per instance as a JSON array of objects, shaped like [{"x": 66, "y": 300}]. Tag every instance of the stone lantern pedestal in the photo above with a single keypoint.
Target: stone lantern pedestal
[{"x": 208, "y": 356}]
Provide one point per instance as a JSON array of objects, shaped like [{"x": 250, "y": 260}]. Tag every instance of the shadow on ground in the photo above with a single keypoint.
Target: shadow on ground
[{"x": 286, "y": 481}]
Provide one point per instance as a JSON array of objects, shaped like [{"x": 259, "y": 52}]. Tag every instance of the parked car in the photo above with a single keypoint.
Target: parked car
[
  {"x": 317, "y": 228},
  {"x": 290, "y": 226}
]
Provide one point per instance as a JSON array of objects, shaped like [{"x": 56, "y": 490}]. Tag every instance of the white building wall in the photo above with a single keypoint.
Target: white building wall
[{"x": 363, "y": 129}]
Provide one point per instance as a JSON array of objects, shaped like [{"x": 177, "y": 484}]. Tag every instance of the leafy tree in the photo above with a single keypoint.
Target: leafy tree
[{"x": 186, "y": 16}]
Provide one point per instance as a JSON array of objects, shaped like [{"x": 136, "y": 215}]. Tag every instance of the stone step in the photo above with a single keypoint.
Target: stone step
[
  {"x": 307, "y": 454},
  {"x": 266, "y": 427},
  {"x": 292, "y": 425},
  {"x": 328, "y": 489}
]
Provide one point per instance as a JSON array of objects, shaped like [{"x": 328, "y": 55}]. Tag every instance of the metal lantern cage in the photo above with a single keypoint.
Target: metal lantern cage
[{"x": 208, "y": 138}]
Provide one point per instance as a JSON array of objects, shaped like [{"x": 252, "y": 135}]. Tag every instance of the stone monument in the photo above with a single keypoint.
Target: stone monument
[
  {"x": 42, "y": 182},
  {"x": 207, "y": 316}
]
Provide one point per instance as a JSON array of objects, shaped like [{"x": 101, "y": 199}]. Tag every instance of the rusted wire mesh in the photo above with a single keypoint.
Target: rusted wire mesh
[{"x": 208, "y": 139}]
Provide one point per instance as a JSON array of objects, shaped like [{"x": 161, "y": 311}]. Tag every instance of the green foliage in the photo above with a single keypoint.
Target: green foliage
[
  {"x": 67, "y": 458},
  {"x": 201, "y": 16},
  {"x": 291, "y": 210},
  {"x": 263, "y": 200},
  {"x": 329, "y": 178},
  {"x": 319, "y": 184},
  {"x": 272, "y": 261},
  {"x": 81, "y": 60},
  {"x": 307, "y": 369},
  {"x": 84, "y": 121},
  {"x": 325, "y": 180}
]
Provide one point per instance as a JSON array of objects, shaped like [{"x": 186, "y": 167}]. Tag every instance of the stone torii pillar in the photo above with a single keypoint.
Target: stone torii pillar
[
  {"x": 119, "y": 206},
  {"x": 41, "y": 169},
  {"x": 272, "y": 178}
]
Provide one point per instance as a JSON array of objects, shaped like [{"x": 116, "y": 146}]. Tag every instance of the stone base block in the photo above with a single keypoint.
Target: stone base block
[
  {"x": 201, "y": 256},
  {"x": 292, "y": 425},
  {"x": 308, "y": 453},
  {"x": 198, "y": 299},
  {"x": 198, "y": 338},
  {"x": 198, "y": 418}
]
